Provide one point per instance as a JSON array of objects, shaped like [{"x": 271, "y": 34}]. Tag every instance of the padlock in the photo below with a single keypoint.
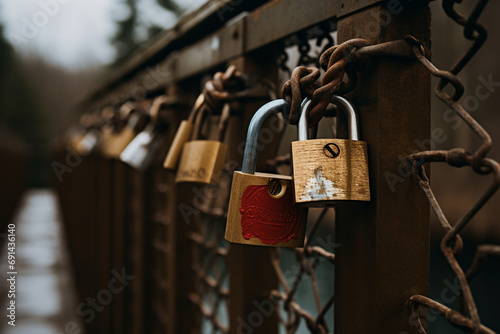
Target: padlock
[
  {"x": 142, "y": 148},
  {"x": 202, "y": 161},
  {"x": 93, "y": 136},
  {"x": 182, "y": 135},
  {"x": 261, "y": 207},
  {"x": 119, "y": 140},
  {"x": 328, "y": 172},
  {"x": 89, "y": 142},
  {"x": 75, "y": 137}
]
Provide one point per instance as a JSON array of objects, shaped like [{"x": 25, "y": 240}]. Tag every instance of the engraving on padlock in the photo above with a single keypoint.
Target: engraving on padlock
[
  {"x": 202, "y": 161},
  {"x": 261, "y": 207},
  {"x": 182, "y": 135},
  {"x": 327, "y": 172}
]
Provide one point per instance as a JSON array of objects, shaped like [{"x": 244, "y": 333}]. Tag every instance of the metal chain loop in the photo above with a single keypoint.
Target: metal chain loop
[
  {"x": 336, "y": 62},
  {"x": 302, "y": 84}
]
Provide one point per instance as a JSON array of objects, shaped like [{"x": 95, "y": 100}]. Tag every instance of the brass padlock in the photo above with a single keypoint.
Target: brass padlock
[
  {"x": 75, "y": 137},
  {"x": 202, "y": 161},
  {"x": 327, "y": 172},
  {"x": 89, "y": 142},
  {"x": 261, "y": 207},
  {"x": 93, "y": 136},
  {"x": 182, "y": 135},
  {"x": 119, "y": 140}
]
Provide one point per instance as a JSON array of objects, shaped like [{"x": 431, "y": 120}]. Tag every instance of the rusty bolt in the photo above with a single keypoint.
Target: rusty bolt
[{"x": 331, "y": 150}]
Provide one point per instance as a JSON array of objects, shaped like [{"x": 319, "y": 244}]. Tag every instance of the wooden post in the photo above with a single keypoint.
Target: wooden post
[
  {"x": 118, "y": 237},
  {"x": 383, "y": 257}
]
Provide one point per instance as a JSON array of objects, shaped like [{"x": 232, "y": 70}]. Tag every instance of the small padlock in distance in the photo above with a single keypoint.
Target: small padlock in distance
[
  {"x": 261, "y": 206},
  {"x": 202, "y": 161},
  {"x": 182, "y": 135},
  {"x": 140, "y": 151},
  {"x": 328, "y": 172},
  {"x": 119, "y": 141}
]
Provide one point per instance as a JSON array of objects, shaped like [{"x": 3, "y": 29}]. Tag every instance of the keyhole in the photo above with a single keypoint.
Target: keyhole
[
  {"x": 331, "y": 150},
  {"x": 276, "y": 188}
]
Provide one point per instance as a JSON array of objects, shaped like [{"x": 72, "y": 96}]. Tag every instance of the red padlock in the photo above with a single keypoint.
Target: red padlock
[{"x": 261, "y": 207}]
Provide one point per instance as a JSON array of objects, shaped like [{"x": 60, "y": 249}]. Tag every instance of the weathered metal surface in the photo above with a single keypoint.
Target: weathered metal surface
[
  {"x": 383, "y": 257},
  {"x": 213, "y": 50},
  {"x": 243, "y": 259},
  {"x": 244, "y": 34}
]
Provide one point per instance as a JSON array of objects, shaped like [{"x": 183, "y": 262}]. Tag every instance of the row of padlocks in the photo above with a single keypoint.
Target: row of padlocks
[{"x": 264, "y": 209}]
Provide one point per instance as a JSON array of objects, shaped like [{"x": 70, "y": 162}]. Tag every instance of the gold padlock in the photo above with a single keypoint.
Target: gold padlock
[
  {"x": 120, "y": 140},
  {"x": 202, "y": 161},
  {"x": 261, "y": 207},
  {"x": 182, "y": 135},
  {"x": 93, "y": 136},
  {"x": 327, "y": 172}
]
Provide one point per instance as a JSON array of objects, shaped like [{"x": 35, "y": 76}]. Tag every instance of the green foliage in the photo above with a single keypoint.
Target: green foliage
[
  {"x": 171, "y": 6},
  {"x": 20, "y": 114},
  {"x": 124, "y": 40}
]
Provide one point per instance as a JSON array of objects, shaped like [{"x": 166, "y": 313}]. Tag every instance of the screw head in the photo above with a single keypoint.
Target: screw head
[
  {"x": 331, "y": 150},
  {"x": 276, "y": 188}
]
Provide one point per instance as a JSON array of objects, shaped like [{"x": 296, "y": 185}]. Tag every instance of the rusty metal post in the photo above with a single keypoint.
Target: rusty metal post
[
  {"x": 103, "y": 241},
  {"x": 184, "y": 315},
  {"x": 251, "y": 275},
  {"x": 118, "y": 238},
  {"x": 383, "y": 257},
  {"x": 135, "y": 251}
]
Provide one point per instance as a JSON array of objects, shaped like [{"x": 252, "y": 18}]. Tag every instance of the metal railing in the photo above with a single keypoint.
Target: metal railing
[{"x": 187, "y": 278}]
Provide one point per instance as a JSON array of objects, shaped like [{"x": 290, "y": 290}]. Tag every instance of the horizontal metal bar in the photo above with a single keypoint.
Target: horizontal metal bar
[
  {"x": 267, "y": 24},
  {"x": 213, "y": 50}
]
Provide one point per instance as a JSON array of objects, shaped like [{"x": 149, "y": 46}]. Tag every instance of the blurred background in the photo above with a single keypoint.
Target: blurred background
[{"x": 52, "y": 53}]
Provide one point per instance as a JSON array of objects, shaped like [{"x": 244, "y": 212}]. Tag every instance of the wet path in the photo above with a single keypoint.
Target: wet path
[{"x": 45, "y": 299}]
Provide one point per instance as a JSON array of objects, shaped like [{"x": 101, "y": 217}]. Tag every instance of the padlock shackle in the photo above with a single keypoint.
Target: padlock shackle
[
  {"x": 198, "y": 105},
  {"x": 254, "y": 130},
  {"x": 344, "y": 105}
]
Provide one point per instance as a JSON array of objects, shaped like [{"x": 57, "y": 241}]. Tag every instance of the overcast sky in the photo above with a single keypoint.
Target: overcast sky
[{"x": 73, "y": 33}]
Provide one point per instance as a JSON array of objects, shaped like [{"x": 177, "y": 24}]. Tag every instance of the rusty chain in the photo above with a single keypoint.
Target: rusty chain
[{"x": 451, "y": 243}]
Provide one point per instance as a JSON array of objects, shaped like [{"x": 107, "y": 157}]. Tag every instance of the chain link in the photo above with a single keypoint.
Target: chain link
[{"x": 451, "y": 244}]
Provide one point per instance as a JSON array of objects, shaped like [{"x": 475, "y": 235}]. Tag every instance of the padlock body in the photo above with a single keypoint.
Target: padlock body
[
  {"x": 75, "y": 139},
  {"x": 89, "y": 142},
  {"x": 257, "y": 218},
  {"x": 136, "y": 154},
  {"x": 216, "y": 200},
  {"x": 322, "y": 180},
  {"x": 201, "y": 161},
  {"x": 117, "y": 142},
  {"x": 181, "y": 137}
]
